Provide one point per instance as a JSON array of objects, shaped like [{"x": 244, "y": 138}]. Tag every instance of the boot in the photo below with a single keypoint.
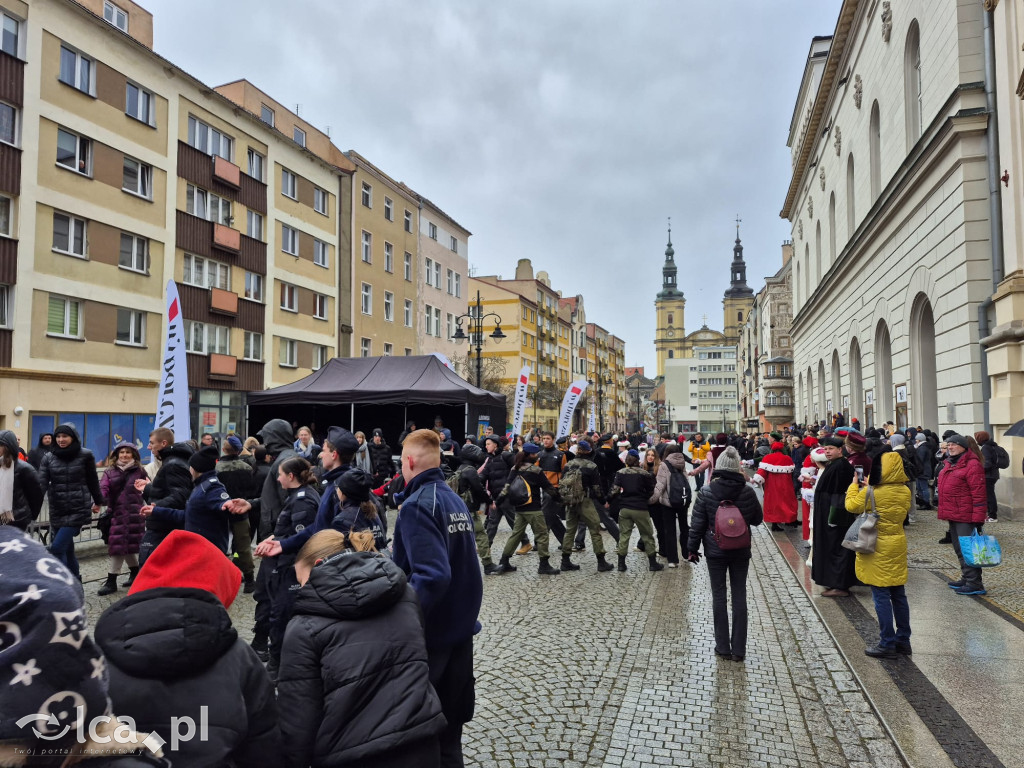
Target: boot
[
  {"x": 545, "y": 568},
  {"x": 622, "y": 563},
  {"x": 133, "y": 571},
  {"x": 504, "y": 567},
  {"x": 109, "y": 586},
  {"x": 653, "y": 564},
  {"x": 259, "y": 645},
  {"x": 250, "y": 584},
  {"x": 490, "y": 568},
  {"x": 567, "y": 564},
  {"x": 603, "y": 565}
]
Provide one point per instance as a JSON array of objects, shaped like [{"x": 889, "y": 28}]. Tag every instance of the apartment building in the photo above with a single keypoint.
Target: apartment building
[
  {"x": 519, "y": 320},
  {"x": 443, "y": 292},
  {"x": 120, "y": 172}
]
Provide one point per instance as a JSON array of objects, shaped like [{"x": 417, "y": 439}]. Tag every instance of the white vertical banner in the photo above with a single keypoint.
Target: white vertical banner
[
  {"x": 172, "y": 401},
  {"x": 591, "y": 423},
  {"x": 569, "y": 401},
  {"x": 519, "y": 405},
  {"x": 444, "y": 360}
]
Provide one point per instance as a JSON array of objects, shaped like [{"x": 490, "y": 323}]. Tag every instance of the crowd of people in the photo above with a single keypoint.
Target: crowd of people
[{"x": 362, "y": 649}]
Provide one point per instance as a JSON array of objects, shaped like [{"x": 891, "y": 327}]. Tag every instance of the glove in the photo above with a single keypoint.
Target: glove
[
  {"x": 758, "y": 479},
  {"x": 693, "y": 557}
]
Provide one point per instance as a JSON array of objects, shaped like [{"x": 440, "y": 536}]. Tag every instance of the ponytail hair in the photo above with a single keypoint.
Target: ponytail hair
[
  {"x": 299, "y": 468},
  {"x": 524, "y": 458},
  {"x": 326, "y": 544},
  {"x": 369, "y": 509}
]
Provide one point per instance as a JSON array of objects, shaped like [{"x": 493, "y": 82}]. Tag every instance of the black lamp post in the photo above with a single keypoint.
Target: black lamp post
[{"x": 475, "y": 321}]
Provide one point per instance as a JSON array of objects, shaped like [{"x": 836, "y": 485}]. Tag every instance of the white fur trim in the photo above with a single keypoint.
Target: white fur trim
[
  {"x": 778, "y": 469},
  {"x": 757, "y": 479}
]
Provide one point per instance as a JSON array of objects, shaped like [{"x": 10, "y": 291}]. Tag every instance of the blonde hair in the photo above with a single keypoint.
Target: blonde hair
[
  {"x": 249, "y": 445},
  {"x": 423, "y": 440},
  {"x": 323, "y": 544}
]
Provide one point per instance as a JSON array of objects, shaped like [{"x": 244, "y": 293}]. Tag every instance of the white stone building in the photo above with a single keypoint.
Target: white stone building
[{"x": 890, "y": 208}]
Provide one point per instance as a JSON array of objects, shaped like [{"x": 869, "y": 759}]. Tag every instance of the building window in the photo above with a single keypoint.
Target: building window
[
  {"x": 429, "y": 314},
  {"x": 255, "y": 164},
  {"x": 202, "y": 338},
  {"x": 671, "y": 354},
  {"x": 289, "y": 185},
  {"x": 389, "y": 306},
  {"x": 254, "y": 225},
  {"x": 205, "y": 273},
  {"x": 408, "y": 313},
  {"x": 320, "y": 306},
  {"x": 76, "y": 70},
  {"x": 913, "y": 85},
  {"x": 365, "y": 347},
  {"x": 367, "y": 195},
  {"x": 68, "y": 235},
  {"x": 252, "y": 346},
  {"x": 289, "y": 297},
  {"x": 5, "y": 306},
  {"x": 408, "y": 267},
  {"x": 367, "y": 241},
  {"x": 408, "y": 352},
  {"x": 451, "y": 282},
  {"x": 437, "y": 275},
  {"x": 319, "y": 356},
  {"x": 137, "y": 178},
  {"x": 389, "y": 257},
  {"x": 289, "y": 240},
  {"x": 74, "y": 152},
  {"x": 267, "y": 115},
  {"x": 366, "y": 299},
  {"x": 458, "y": 285},
  {"x": 875, "y": 151},
  {"x": 8, "y": 124},
  {"x": 11, "y": 35},
  {"x": 429, "y": 272},
  {"x": 320, "y": 253},
  {"x": 253, "y": 286},
  {"x": 450, "y": 325},
  {"x": 388, "y": 349},
  {"x": 408, "y": 220},
  {"x": 207, "y": 205},
  {"x": 209, "y": 140},
  {"x": 140, "y": 104},
  {"x": 432, "y": 231},
  {"x": 454, "y": 245},
  {"x": 63, "y": 317},
  {"x": 6, "y": 216},
  {"x": 320, "y": 200},
  {"x": 289, "y": 353},
  {"x": 131, "y": 327},
  {"x": 134, "y": 253},
  {"x": 389, "y": 209},
  {"x": 299, "y": 136},
  {"x": 116, "y": 16}
]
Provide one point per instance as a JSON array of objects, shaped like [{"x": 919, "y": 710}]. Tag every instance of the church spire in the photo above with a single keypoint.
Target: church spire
[
  {"x": 738, "y": 270},
  {"x": 669, "y": 290}
]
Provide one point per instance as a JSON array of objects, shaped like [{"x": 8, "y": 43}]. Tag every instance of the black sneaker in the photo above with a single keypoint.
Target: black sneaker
[
  {"x": 904, "y": 649},
  {"x": 880, "y": 652},
  {"x": 955, "y": 584},
  {"x": 945, "y": 540},
  {"x": 259, "y": 644}
]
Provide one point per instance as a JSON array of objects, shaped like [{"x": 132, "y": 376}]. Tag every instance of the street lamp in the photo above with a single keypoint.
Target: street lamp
[
  {"x": 475, "y": 321},
  {"x": 638, "y": 420}
]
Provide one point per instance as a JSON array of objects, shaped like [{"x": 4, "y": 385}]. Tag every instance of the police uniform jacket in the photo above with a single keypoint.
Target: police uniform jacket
[
  {"x": 349, "y": 517},
  {"x": 204, "y": 511},
  {"x": 327, "y": 508},
  {"x": 171, "y": 486},
  {"x": 298, "y": 513}
]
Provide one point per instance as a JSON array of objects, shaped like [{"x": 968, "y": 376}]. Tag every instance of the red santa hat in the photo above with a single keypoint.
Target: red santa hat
[
  {"x": 186, "y": 559},
  {"x": 810, "y": 442},
  {"x": 777, "y": 446}
]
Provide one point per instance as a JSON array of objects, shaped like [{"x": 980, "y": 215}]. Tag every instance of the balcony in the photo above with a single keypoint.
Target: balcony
[
  {"x": 223, "y": 366},
  {"x": 227, "y": 172},
  {"x": 223, "y": 302},
  {"x": 226, "y": 238}
]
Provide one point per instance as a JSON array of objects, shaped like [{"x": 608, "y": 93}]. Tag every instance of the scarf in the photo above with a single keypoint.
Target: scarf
[
  {"x": 303, "y": 449},
  {"x": 125, "y": 465},
  {"x": 7, "y": 493}
]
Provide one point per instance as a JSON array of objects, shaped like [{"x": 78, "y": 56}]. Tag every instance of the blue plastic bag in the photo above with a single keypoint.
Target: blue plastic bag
[{"x": 981, "y": 551}]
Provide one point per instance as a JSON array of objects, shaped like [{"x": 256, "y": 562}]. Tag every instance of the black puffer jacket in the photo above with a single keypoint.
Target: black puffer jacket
[
  {"x": 380, "y": 459},
  {"x": 69, "y": 476},
  {"x": 496, "y": 470},
  {"x": 354, "y": 684},
  {"x": 172, "y": 485},
  {"x": 724, "y": 485},
  {"x": 28, "y": 496},
  {"x": 172, "y": 650}
]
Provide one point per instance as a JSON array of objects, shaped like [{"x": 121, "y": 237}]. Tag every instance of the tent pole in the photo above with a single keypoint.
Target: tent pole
[
  {"x": 405, "y": 416},
  {"x": 467, "y": 423},
  {"x": 352, "y": 417}
]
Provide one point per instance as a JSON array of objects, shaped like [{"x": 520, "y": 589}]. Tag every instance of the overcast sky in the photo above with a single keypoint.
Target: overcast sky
[{"x": 566, "y": 131}]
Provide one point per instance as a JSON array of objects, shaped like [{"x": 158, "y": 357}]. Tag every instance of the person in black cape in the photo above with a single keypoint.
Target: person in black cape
[{"x": 833, "y": 565}]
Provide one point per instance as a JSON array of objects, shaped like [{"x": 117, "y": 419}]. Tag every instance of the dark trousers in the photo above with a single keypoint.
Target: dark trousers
[
  {"x": 553, "y": 516},
  {"x": 494, "y": 516},
  {"x": 241, "y": 544},
  {"x": 990, "y": 490},
  {"x": 283, "y": 587},
  {"x": 736, "y": 568},
  {"x": 63, "y": 547},
  {"x": 451, "y": 674},
  {"x": 609, "y": 524},
  {"x": 150, "y": 541},
  {"x": 971, "y": 575},
  {"x": 699, "y": 478},
  {"x": 666, "y": 520},
  {"x": 261, "y": 627}
]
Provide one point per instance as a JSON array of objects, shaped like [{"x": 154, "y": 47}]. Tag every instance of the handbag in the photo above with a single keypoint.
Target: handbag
[
  {"x": 981, "y": 550},
  {"x": 103, "y": 524},
  {"x": 862, "y": 535}
]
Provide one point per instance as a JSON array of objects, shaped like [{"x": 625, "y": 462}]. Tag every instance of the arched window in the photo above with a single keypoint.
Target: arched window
[
  {"x": 832, "y": 227},
  {"x": 670, "y": 318},
  {"x": 817, "y": 252},
  {"x": 807, "y": 273},
  {"x": 875, "y": 152},
  {"x": 785, "y": 399},
  {"x": 771, "y": 399},
  {"x": 912, "y": 85},
  {"x": 739, "y": 316},
  {"x": 856, "y": 381},
  {"x": 851, "y": 208},
  {"x": 883, "y": 374},
  {"x": 671, "y": 354},
  {"x": 796, "y": 285}
]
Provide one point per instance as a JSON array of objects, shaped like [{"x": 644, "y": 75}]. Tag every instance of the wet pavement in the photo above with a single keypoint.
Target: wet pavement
[{"x": 588, "y": 669}]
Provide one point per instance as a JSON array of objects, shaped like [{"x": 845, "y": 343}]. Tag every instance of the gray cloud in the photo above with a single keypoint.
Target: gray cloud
[{"x": 565, "y": 131}]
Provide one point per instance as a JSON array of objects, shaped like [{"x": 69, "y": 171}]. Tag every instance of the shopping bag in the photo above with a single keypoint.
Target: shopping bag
[
  {"x": 862, "y": 536},
  {"x": 980, "y": 550}
]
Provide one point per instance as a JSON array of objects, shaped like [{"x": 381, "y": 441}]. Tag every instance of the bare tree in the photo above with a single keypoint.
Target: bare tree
[{"x": 493, "y": 376}]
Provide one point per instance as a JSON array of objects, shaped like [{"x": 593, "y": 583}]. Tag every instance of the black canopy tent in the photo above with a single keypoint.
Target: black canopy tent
[{"x": 363, "y": 393}]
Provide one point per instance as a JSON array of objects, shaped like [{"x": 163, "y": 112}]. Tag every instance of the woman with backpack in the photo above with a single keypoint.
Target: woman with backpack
[
  {"x": 525, "y": 482},
  {"x": 995, "y": 458},
  {"x": 672, "y": 496},
  {"x": 726, "y": 543}
]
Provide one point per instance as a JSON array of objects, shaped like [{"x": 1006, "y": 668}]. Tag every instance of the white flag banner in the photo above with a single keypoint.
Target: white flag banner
[
  {"x": 172, "y": 401},
  {"x": 447, "y": 363},
  {"x": 591, "y": 424},
  {"x": 519, "y": 408},
  {"x": 572, "y": 397}
]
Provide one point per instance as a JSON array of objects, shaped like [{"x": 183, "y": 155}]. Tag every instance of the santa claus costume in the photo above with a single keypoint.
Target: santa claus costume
[{"x": 776, "y": 473}]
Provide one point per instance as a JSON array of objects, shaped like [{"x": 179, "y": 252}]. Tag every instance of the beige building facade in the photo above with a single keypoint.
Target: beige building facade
[{"x": 443, "y": 290}]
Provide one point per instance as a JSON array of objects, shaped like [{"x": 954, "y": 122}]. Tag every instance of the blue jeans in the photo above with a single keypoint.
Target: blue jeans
[
  {"x": 892, "y": 602},
  {"x": 63, "y": 548},
  {"x": 924, "y": 493}
]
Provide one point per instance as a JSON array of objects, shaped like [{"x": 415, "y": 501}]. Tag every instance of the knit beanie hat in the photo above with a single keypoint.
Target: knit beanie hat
[
  {"x": 235, "y": 443},
  {"x": 896, "y": 439},
  {"x": 356, "y": 484},
  {"x": 186, "y": 559},
  {"x": 728, "y": 460},
  {"x": 49, "y": 665},
  {"x": 856, "y": 441},
  {"x": 958, "y": 440},
  {"x": 205, "y": 460},
  {"x": 721, "y": 438},
  {"x": 583, "y": 446},
  {"x": 920, "y": 437}
]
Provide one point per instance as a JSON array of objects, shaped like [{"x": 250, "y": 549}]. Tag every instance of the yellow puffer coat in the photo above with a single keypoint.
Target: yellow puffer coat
[
  {"x": 887, "y": 567},
  {"x": 700, "y": 452}
]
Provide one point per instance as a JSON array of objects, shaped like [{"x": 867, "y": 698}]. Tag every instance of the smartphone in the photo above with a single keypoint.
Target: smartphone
[{"x": 860, "y": 472}]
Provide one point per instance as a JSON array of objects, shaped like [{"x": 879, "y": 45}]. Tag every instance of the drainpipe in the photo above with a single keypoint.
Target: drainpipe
[{"x": 995, "y": 207}]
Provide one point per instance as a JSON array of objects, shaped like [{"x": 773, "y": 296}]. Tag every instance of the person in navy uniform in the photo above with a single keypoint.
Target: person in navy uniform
[
  {"x": 205, "y": 512},
  {"x": 435, "y": 546}
]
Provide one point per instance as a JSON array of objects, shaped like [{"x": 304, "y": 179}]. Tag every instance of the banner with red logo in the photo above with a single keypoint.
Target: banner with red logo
[
  {"x": 172, "y": 401},
  {"x": 572, "y": 397},
  {"x": 519, "y": 407}
]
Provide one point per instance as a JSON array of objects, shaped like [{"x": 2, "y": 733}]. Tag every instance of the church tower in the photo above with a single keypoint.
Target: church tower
[
  {"x": 669, "y": 305},
  {"x": 739, "y": 298}
]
